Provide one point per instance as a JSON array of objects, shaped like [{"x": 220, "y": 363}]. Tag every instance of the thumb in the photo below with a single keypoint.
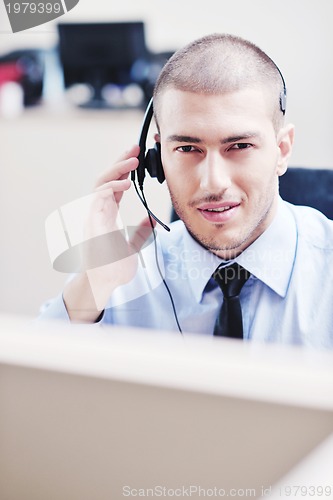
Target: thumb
[{"x": 142, "y": 234}]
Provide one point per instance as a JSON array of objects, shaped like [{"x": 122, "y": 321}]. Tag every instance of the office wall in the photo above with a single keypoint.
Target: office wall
[
  {"x": 48, "y": 159},
  {"x": 296, "y": 33}
]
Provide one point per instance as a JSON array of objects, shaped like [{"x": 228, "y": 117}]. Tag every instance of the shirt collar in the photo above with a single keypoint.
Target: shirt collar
[
  {"x": 199, "y": 264},
  {"x": 270, "y": 258}
]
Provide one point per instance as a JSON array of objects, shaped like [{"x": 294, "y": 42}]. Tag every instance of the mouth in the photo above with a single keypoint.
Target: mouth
[
  {"x": 219, "y": 212},
  {"x": 219, "y": 209}
]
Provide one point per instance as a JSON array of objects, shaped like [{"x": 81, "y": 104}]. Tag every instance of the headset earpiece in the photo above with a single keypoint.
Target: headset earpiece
[
  {"x": 153, "y": 163},
  {"x": 150, "y": 160}
]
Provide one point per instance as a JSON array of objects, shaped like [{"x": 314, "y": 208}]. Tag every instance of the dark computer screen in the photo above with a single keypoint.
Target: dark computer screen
[{"x": 100, "y": 53}]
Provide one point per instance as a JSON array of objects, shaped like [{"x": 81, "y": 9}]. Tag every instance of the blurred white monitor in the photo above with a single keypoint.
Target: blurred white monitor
[{"x": 101, "y": 414}]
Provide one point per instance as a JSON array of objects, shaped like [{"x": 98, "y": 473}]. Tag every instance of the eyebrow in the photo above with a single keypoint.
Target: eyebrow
[
  {"x": 241, "y": 137},
  {"x": 183, "y": 138},
  {"x": 227, "y": 140}
]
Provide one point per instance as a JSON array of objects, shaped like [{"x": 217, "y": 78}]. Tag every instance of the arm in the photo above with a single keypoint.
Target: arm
[{"x": 87, "y": 294}]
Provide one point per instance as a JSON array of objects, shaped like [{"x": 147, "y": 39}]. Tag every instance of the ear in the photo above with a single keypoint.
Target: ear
[
  {"x": 285, "y": 140},
  {"x": 157, "y": 138}
]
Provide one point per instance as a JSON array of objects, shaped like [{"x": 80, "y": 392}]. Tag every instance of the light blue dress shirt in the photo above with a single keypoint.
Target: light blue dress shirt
[{"x": 288, "y": 298}]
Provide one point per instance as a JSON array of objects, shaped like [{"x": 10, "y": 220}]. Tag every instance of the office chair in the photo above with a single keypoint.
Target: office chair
[
  {"x": 304, "y": 186},
  {"x": 309, "y": 186}
]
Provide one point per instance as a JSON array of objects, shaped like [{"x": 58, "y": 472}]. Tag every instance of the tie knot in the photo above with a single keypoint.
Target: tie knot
[{"x": 231, "y": 279}]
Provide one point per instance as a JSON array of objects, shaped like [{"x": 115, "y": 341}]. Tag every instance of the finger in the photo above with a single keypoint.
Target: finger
[
  {"x": 115, "y": 186},
  {"x": 134, "y": 150},
  {"x": 120, "y": 170}
]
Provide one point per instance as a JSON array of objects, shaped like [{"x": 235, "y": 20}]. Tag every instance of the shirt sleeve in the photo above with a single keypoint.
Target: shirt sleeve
[{"x": 54, "y": 309}]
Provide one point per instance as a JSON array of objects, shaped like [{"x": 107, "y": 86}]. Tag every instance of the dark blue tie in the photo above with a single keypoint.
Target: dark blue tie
[{"x": 230, "y": 279}]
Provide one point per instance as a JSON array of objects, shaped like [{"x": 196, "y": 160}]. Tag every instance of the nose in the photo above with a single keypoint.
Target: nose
[{"x": 214, "y": 174}]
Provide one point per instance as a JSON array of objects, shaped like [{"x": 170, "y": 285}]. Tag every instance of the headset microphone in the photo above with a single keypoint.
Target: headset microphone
[
  {"x": 150, "y": 161},
  {"x": 144, "y": 202}
]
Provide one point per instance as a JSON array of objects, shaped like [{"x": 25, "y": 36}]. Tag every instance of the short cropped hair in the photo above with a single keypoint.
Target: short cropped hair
[{"x": 218, "y": 64}]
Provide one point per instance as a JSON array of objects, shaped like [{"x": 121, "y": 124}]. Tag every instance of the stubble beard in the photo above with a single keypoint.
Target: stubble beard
[{"x": 235, "y": 245}]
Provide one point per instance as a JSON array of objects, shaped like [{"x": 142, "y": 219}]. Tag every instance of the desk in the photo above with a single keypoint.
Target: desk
[
  {"x": 50, "y": 157},
  {"x": 85, "y": 412}
]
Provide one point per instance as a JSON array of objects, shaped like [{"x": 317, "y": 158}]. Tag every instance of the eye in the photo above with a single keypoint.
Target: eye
[
  {"x": 186, "y": 149},
  {"x": 240, "y": 145}
]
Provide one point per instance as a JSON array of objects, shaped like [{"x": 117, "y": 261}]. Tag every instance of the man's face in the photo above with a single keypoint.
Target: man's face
[{"x": 222, "y": 158}]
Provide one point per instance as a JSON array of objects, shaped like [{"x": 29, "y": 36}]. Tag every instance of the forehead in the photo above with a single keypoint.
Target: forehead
[{"x": 178, "y": 110}]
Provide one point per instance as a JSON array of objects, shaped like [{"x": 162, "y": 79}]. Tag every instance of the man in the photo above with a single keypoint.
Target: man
[{"x": 219, "y": 108}]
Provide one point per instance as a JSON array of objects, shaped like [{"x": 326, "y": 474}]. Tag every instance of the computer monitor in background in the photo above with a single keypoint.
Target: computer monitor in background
[{"x": 98, "y": 54}]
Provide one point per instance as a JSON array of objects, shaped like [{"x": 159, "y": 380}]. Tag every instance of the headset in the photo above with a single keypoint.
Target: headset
[{"x": 149, "y": 161}]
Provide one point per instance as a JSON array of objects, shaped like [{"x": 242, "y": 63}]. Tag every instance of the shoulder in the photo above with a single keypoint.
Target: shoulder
[{"x": 313, "y": 227}]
